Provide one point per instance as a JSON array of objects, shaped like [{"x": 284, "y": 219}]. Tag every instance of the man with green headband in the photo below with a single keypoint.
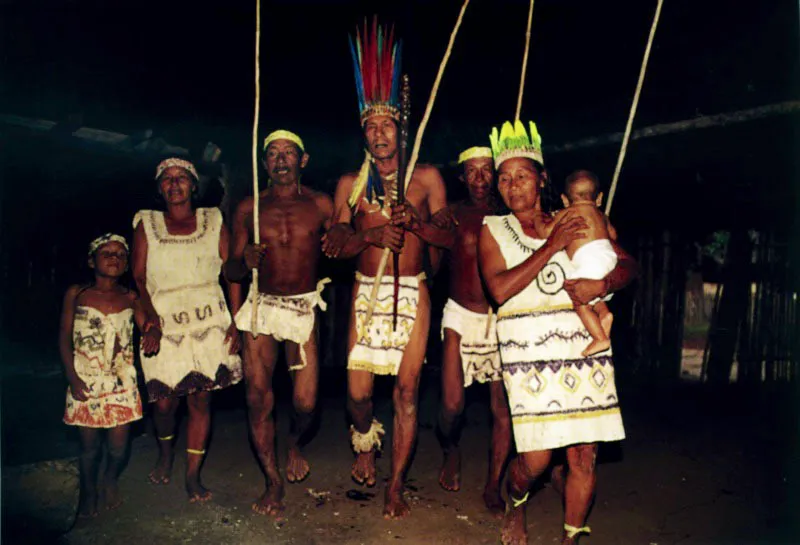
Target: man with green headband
[
  {"x": 470, "y": 353},
  {"x": 292, "y": 218}
]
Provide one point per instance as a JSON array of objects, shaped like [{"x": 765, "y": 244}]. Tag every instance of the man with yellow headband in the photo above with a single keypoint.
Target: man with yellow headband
[
  {"x": 292, "y": 218},
  {"x": 470, "y": 352},
  {"x": 366, "y": 222}
]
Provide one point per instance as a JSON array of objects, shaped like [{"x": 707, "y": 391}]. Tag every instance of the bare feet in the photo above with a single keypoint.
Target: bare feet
[
  {"x": 196, "y": 491},
  {"x": 494, "y": 500},
  {"x": 364, "y": 468},
  {"x": 87, "y": 508},
  {"x": 450, "y": 475},
  {"x": 595, "y": 347},
  {"x": 271, "y": 501},
  {"x": 162, "y": 471},
  {"x": 605, "y": 323},
  {"x": 514, "y": 530},
  {"x": 395, "y": 506},
  {"x": 111, "y": 497},
  {"x": 297, "y": 468}
]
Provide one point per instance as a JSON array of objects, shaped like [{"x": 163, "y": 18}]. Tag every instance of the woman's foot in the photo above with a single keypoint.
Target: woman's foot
[
  {"x": 111, "y": 497},
  {"x": 196, "y": 491},
  {"x": 163, "y": 469},
  {"x": 514, "y": 530},
  {"x": 87, "y": 506}
]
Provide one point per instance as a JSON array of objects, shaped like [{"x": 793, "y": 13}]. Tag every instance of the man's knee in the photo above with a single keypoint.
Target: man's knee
[
  {"x": 260, "y": 399},
  {"x": 199, "y": 402},
  {"x": 405, "y": 398},
  {"x": 453, "y": 403},
  {"x": 304, "y": 403}
]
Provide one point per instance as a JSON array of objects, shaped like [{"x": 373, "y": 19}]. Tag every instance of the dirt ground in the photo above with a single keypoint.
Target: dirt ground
[{"x": 694, "y": 468}]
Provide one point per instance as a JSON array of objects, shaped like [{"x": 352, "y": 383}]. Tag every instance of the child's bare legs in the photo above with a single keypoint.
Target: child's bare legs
[
  {"x": 592, "y": 323},
  {"x": 90, "y": 454},
  {"x": 117, "y": 443},
  {"x": 606, "y": 318}
]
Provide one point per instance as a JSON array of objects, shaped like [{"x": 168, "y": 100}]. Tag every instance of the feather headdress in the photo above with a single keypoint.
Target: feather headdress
[
  {"x": 515, "y": 141},
  {"x": 376, "y": 64}
]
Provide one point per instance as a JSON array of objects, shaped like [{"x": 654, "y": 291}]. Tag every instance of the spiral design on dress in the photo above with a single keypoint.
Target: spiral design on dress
[{"x": 551, "y": 278}]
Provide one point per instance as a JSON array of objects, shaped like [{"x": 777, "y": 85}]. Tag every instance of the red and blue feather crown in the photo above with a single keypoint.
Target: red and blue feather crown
[{"x": 376, "y": 64}]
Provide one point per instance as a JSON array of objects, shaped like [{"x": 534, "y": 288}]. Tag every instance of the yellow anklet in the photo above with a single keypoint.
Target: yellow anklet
[
  {"x": 195, "y": 451},
  {"x": 167, "y": 438},
  {"x": 517, "y": 502},
  {"x": 572, "y": 531}
]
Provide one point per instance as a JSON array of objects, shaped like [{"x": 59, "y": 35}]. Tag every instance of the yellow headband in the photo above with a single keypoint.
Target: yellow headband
[
  {"x": 475, "y": 153},
  {"x": 283, "y": 135}
]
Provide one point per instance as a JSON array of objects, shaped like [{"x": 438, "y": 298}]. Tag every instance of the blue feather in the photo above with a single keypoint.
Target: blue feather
[
  {"x": 357, "y": 71},
  {"x": 396, "y": 73}
]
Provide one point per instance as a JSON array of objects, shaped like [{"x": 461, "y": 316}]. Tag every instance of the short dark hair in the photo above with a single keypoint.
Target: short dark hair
[{"x": 571, "y": 182}]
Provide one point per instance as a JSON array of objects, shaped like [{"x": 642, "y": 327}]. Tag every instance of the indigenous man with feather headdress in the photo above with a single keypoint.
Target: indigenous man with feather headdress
[
  {"x": 291, "y": 218},
  {"x": 368, "y": 218}
]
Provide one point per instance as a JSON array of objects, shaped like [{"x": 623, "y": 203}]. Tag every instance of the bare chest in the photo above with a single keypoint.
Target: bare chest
[
  {"x": 289, "y": 223},
  {"x": 467, "y": 231}
]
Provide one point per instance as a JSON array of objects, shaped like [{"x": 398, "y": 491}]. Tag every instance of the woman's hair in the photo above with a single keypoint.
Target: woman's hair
[{"x": 550, "y": 196}]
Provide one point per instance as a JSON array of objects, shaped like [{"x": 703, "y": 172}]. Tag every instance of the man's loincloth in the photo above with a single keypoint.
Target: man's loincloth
[
  {"x": 480, "y": 358},
  {"x": 284, "y": 317},
  {"x": 378, "y": 349}
]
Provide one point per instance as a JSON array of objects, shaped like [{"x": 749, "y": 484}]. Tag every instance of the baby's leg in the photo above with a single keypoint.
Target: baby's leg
[
  {"x": 592, "y": 323},
  {"x": 606, "y": 318}
]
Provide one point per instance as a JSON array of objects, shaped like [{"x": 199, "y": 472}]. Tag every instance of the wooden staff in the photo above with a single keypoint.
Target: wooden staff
[
  {"x": 405, "y": 114},
  {"x": 632, "y": 113},
  {"x": 524, "y": 64},
  {"x": 414, "y": 155},
  {"x": 256, "y": 198}
]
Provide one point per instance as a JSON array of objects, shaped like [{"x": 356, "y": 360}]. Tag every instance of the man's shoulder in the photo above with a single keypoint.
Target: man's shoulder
[
  {"x": 426, "y": 170},
  {"x": 320, "y": 198},
  {"x": 347, "y": 179},
  {"x": 245, "y": 205},
  {"x": 428, "y": 176}
]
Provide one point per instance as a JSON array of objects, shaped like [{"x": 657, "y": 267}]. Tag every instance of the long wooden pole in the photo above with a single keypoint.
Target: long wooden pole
[
  {"x": 524, "y": 63},
  {"x": 414, "y": 156},
  {"x": 632, "y": 113},
  {"x": 704, "y": 122},
  {"x": 256, "y": 229}
]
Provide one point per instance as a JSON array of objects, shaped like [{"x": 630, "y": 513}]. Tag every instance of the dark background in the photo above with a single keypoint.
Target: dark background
[{"x": 185, "y": 70}]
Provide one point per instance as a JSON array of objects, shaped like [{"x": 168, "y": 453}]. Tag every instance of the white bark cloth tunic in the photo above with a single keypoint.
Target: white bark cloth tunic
[
  {"x": 183, "y": 282},
  {"x": 557, "y": 397}
]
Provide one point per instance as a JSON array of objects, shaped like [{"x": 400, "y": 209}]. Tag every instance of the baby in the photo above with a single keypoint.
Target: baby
[{"x": 593, "y": 256}]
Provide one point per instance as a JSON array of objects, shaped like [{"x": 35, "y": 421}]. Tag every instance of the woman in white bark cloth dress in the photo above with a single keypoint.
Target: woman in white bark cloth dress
[
  {"x": 177, "y": 259},
  {"x": 557, "y": 397}
]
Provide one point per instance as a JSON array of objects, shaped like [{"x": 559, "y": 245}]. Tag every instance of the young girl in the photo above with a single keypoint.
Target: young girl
[{"x": 95, "y": 344}]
